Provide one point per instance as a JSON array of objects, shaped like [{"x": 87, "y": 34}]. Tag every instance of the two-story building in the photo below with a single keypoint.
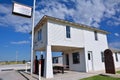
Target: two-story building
[{"x": 82, "y": 46}]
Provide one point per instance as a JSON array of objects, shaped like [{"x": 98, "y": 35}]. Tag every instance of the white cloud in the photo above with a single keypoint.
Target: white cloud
[
  {"x": 7, "y": 19},
  {"x": 20, "y": 42},
  {"x": 114, "y": 45},
  {"x": 23, "y": 28},
  {"x": 89, "y": 12},
  {"x": 52, "y": 8},
  {"x": 116, "y": 34},
  {"x": 114, "y": 22}
]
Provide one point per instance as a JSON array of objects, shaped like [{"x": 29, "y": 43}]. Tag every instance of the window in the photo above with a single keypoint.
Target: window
[
  {"x": 96, "y": 36},
  {"x": 102, "y": 56},
  {"x": 88, "y": 56},
  {"x": 55, "y": 59},
  {"x": 40, "y": 35},
  {"x": 116, "y": 56},
  {"x": 68, "y": 32},
  {"x": 76, "y": 58}
]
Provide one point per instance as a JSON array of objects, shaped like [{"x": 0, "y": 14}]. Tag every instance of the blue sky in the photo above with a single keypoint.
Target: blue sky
[{"x": 14, "y": 30}]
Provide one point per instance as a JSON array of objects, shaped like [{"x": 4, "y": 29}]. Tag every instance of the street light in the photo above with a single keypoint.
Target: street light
[
  {"x": 32, "y": 45},
  {"x": 26, "y": 11}
]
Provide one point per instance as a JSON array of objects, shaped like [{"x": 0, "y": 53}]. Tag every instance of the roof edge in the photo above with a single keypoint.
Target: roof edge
[{"x": 46, "y": 17}]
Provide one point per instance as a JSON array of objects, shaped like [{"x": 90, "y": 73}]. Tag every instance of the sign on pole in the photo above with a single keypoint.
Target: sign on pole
[{"x": 22, "y": 10}]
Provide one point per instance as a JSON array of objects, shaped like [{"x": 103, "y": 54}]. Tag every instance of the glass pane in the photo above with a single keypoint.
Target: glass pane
[
  {"x": 88, "y": 56},
  {"x": 76, "y": 58},
  {"x": 68, "y": 31}
]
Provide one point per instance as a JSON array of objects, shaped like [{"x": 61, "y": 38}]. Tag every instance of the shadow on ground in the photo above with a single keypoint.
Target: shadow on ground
[{"x": 1, "y": 79}]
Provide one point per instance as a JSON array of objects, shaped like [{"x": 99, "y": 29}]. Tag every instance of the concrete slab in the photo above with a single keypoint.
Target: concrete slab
[
  {"x": 11, "y": 75},
  {"x": 8, "y": 73},
  {"x": 13, "y": 66},
  {"x": 68, "y": 75}
]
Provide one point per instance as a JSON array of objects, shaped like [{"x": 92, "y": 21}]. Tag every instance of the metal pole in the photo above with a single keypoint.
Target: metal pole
[
  {"x": 16, "y": 56},
  {"x": 40, "y": 67},
  {"x": 32, "y": 43}
]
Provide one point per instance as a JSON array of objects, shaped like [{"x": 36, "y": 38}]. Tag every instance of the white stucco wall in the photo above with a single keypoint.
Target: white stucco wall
[
  {"x": 76, "y": 67},
  {"x": 117, "y": 63},
  {"x": 42, "y": 43},
  {"x": 96, "y": 47},
  {"x": 60, "y": 60},
  {"x": 57, "y": 35}
]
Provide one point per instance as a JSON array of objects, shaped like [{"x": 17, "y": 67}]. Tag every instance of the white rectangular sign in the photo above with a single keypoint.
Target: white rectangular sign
[{"x": 22, "y": 10}]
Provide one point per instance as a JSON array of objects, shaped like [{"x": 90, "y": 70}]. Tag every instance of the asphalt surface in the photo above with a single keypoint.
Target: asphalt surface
[
  {"x": 14, "y": 67},
  {"x": 9, "y": 72},
  {"x": 11, "y": 75}
]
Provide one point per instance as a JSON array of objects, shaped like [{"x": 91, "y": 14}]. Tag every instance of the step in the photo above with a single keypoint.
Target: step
[{"x": 27, "y": 76}]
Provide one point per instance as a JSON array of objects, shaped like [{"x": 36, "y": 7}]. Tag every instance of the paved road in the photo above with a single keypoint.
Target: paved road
[
  {"x": 14, "y": 67},
  {"x": 11, "y": 75},
  {"x": 8, "y": 72}
]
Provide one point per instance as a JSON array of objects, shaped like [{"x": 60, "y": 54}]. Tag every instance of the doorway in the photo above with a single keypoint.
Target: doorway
[
  {"x": 90, "y": 61},
  {"x": 67, "y": 60}
]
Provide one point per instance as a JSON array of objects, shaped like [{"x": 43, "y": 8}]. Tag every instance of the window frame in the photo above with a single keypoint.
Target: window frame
[
  {"x": 76, "y": 57},
  {"x": 96, "y": 35},
  {"x": 68, "y": 32},
  {"x": 40, "y": 35},
  {"x": 55, "y": 59},
  {"x": 116, "y": 56},
  {"x": 102, "y": 57}
]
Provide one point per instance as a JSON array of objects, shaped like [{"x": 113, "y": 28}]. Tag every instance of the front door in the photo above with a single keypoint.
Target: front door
[{"x": 90, "y": 61}]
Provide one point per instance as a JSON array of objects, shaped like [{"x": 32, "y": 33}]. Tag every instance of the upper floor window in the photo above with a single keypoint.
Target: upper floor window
[
  {"x": 68, "y": 35},
  {"x": 76, "y": 57},
  {"x": 116, "y": 57},
  {"x": 96, "y": 35},
  {"x": 40, "y": 35}
]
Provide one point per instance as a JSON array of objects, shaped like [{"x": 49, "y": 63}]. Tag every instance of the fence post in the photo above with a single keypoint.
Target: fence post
[{"x": 26, "y": 67}]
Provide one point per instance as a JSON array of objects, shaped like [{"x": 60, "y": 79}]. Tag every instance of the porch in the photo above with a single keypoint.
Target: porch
[
  {"x": 69, "y": 75},
  {"x": 73, "y": 62}
]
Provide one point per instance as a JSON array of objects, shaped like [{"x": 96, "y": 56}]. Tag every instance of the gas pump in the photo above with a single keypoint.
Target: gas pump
[
  {"x": 42, "y": 65},
  {"x": 36, "y": 65}
]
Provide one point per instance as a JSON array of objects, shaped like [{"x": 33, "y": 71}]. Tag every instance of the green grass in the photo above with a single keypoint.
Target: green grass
[
  {"x": 118, "y": 72},
  {"x": 100, "y": 77}
]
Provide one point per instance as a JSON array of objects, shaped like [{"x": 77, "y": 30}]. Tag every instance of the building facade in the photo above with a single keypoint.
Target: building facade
[
  {"x": 116, "y": 57},
  {"x": 82, "y": 46}
]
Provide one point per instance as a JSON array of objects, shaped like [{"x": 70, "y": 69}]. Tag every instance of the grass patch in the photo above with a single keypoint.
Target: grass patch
[
  {"x": 118, "y": 72},
  {"x": 100, "y": 77}
]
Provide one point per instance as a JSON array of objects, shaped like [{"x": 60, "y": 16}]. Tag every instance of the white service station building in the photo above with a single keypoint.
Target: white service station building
[{"x": 82, "y": 46}]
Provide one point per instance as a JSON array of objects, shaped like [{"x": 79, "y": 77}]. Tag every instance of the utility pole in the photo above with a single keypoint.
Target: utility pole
[
  {"x": 32, "y": 43},
  {"x": 26, "y": 11}
]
